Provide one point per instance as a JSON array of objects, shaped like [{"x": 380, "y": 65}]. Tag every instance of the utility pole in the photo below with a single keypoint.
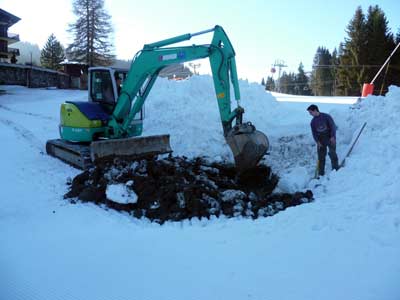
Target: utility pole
[{"x": 280, "y": 64}]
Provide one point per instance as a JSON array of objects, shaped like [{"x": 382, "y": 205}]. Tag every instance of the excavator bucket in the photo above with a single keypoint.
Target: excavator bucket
[
  {"x": 133, "y": 147},
  {"x": 248, "y": 146}
]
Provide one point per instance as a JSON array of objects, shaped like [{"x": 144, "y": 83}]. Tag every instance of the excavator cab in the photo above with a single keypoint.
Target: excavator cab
[
  {"x": 102, "y": 89},
  {"x": 83, "y": 124},
  {"x": 83, "y": 121},
  {"x": 105, "y": 85}
]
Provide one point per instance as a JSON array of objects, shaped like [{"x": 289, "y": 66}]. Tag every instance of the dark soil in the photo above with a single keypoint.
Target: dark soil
[{"x": 177, "y": 188}]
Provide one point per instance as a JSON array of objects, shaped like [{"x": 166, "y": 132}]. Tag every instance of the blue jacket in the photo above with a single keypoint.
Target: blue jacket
[{"x": 323, "y": 128}]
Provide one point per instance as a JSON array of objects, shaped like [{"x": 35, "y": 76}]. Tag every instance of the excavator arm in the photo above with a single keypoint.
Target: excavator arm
[
  {"x": 247, "y": 144},
  {"x": 153, "y": 58}
]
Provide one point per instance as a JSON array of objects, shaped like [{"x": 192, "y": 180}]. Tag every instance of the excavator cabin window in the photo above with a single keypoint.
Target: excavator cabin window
[{"x": 102, "y": 90}]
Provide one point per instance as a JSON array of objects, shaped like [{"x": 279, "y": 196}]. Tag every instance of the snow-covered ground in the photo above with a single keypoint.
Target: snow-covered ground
[{"x": 344, "y": 245}]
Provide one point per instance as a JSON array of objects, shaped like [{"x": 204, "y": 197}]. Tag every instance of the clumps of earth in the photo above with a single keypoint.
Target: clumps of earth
[{"x": 178, "y": 188}]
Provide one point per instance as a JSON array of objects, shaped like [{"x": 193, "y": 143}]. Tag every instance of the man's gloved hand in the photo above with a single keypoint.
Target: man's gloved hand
[{"x": 333, "y": 140}]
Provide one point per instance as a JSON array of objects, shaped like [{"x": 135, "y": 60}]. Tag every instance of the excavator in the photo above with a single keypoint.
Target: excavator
[{"x": 110, "y": 124}]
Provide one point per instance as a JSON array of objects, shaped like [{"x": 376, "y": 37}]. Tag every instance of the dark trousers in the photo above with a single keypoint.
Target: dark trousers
[{"x": 321, "y": 157}]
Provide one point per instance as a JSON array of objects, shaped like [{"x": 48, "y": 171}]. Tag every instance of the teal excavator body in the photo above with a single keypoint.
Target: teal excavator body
[{"x": 109, "y": 124}]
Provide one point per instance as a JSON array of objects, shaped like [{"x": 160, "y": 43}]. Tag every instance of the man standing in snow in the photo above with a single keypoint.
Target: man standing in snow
[{"x": 324, "y": 132}]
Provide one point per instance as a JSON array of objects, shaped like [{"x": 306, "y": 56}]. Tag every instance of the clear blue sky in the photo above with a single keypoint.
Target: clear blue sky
[{"x": 261, "y": 31}]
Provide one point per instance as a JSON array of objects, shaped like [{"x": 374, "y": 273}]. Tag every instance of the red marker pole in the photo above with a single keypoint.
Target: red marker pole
[{"x": 368, "y": 88}]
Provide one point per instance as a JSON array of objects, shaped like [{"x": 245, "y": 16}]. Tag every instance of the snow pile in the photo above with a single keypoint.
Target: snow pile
[
  {"x": 120, "y": 193},
  {"x": 375, "y": 157},
  {"x": 344, "y": 245},
  {"x": 294, "y": 180},
  {"x": 373, "y": 170},
  {"x": 188, "y": 110}
]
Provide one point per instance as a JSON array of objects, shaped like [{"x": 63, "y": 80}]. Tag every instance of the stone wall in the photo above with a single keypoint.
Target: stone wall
[{"x": 31, "y": 76}]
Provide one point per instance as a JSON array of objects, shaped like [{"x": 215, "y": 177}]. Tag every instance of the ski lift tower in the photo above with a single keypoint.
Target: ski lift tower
[
  {"x": 195, "y": 66},
  {"x": 279, "y": 63}
]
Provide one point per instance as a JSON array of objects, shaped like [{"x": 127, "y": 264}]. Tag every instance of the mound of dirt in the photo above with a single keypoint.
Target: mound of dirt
[{"x": 177, "y": 188}]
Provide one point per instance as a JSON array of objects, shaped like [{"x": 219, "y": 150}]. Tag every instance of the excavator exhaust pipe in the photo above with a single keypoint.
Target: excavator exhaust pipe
[{"x": 248, "y": 145}]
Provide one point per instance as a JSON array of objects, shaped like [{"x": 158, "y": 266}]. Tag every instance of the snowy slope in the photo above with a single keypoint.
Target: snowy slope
[{"x": 345, "y": 245}]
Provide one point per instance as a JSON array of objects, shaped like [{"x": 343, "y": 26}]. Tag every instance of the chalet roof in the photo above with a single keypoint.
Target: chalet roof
[
  {"x": 71, "y": 62},
  {"x": 176, "y": 69},
  {"x": 7, "y": 18}
]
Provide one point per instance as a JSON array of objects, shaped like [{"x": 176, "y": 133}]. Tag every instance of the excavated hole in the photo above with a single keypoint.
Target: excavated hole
[{"x": 177, "y": 188}]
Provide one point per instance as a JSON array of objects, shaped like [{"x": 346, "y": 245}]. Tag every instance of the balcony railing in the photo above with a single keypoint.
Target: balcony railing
[
  {"x": 13, "y": 51},
  {"x": 13, "y": 36}
]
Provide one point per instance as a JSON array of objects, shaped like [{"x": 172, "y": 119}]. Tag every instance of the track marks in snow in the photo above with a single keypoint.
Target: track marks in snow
[
  {"x": 24, "y": 133},
  {"x": 292, "y": 151},
  {"x": 40, "y": 116}
]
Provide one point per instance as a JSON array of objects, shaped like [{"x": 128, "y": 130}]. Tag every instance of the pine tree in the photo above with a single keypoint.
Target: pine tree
[
  {"x": 353, "y": 59},
  {"x": 52, "y": 54},
  {"x": 270, "y": 84},
  {"x": 283, "y": 83},
  {"x": 287, "y": 83},
  {"x": 398, "y": 37},
  {"x": 395, "y": 62},
  {"x": 367, "y": 46},
  {"x": 92, "y": 32},
  {"x": 321, "y": 78},
  {"x": 341, "y": 73},
  {"x": 263, "y": 82},
  {"x": 301, "y": 82},
  {"x": 292, "y": 84},
  {"x": 335, "y": 61},
  {"x": 380, "y": 43}
]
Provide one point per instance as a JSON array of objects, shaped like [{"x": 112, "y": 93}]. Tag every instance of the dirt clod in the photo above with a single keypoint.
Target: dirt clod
[{"x": 177, "y": 188}]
